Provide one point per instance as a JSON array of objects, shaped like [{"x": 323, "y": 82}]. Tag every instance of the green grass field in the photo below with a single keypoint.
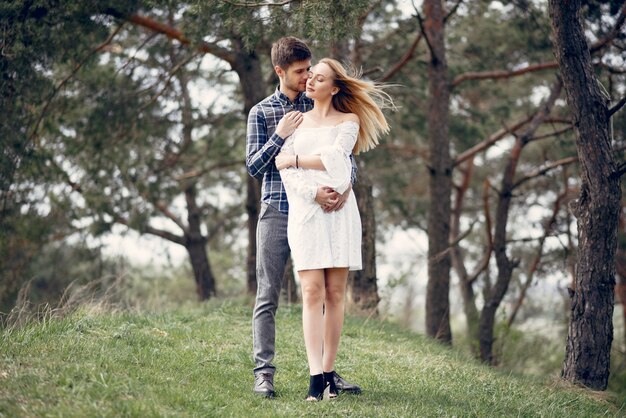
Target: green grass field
[{"x": 196, "y": 361}]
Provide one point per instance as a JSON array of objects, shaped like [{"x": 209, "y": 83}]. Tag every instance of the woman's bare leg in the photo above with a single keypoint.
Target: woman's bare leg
[
  {"x": 313, "y": 294},
  {"x": 335, "y": 281}
]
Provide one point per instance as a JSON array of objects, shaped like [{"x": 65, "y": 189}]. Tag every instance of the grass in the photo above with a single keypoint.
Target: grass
[{"x": 195, "y": 360}]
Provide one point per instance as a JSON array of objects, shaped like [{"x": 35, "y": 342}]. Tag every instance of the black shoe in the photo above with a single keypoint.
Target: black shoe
[
  {"x": 316, "y": 388},
  {"x": 264, "y": 384},
  {"x": 329, "y": 381},
  {"x": 343, "y": 386}
]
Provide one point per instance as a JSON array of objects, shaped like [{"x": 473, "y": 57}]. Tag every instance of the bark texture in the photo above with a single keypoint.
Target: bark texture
[
  {"x": 440, "y": 170},
  {"x": 195, "y": 244},
  {"x": 590, "y": 330}
]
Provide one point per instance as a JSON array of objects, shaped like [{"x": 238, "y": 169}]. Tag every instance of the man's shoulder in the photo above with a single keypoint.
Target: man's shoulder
[{"x": 269, "y": 102}]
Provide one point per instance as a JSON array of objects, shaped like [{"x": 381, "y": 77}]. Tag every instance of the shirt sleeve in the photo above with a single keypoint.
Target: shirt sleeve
[
  {"x": 354, "y": 170},
  {"x": 336, "y": 157},
  {"x": 295, "y": 180},
  {"x": 260, "y": 150}
]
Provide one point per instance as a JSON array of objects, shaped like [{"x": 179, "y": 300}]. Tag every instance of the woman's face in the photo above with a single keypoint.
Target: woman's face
[{"x": 321, "y": 82}]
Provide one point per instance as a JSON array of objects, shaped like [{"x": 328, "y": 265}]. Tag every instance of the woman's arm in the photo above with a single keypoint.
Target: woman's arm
[{"x": 313, "y": 162}]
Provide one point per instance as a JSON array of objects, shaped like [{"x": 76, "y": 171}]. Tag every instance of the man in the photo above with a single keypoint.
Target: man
[{"x": 269, "y": 123}]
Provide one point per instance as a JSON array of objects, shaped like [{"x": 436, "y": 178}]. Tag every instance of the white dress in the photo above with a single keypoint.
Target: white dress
[{"x": 317, "y": 239}]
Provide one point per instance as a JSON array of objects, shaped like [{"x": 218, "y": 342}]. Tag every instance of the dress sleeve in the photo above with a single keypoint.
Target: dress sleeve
[
  {"x": 336, "y": 157},
  {"x": 294, "y": 179}
]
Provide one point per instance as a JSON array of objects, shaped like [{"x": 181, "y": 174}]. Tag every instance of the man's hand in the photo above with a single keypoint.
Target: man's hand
[
  {"x": 330, "y": 200},
  {"x": 326, "y": 198},
  {"x": 289, "y": 123},
  {"x": 341, "y": 200}
]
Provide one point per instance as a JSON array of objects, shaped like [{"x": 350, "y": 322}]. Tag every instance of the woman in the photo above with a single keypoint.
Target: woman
[{"x": 325, "y": 245}]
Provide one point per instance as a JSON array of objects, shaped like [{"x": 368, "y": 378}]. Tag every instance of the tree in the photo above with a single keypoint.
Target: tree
[
  {"x": 440, "y": 171},
  {"x": 39, "y": 39},
  {"x": 590, "y": 330}
]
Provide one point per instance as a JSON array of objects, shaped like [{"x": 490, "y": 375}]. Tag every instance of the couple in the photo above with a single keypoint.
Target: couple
[{"x": 301, "y": 145}]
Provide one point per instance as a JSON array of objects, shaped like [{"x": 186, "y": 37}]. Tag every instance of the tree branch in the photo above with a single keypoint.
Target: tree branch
[
  {"x": 482, "y": 266},
  {"x": 154, "y": 231},
  {"x": 281, "y": 3},
  {"x": 423, "y": 32},
  {"x": 535, "y": 264},
  {"x": 543, "y": 112},
  {"x": 551, "y": 134},
  {"x": 355, "y": 54},
  {"x": 171, "y": 75},
  {"x": 440, "y": 255},
  {"x": 545, "y": 169},
  {"x": 607, "y": 40},
  {"x": 481, "y": 146},
  {"x": 404, "y": 60},
  {"x": 546, "y": 65},
  {"x": 173, "y": 33},
  {"x": 619, "y": 172},
  {"x": 71, "y": 74},
  {"x": 483, "y": 75},
  {"x": 617, "y": 107},
  {"x": 452, "y": 11},
  {"x": 162, "y": 207}
]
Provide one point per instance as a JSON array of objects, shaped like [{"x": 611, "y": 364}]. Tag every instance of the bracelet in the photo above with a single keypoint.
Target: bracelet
[{"x": 297, "y": 161}]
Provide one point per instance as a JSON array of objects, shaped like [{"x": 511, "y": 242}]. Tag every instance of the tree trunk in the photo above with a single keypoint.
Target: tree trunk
[
  {"x": 362, "y": 286},
  {"x": 438, "y": 289},
  {"x": 205, "y": 281},
  {"x": 195, "y": 244},
  {"x": 505, "y": 265},
  {"x": 290, "y": 289},
  {"x": 457, "y": 258},
  {"x": 590, "y": 329}
]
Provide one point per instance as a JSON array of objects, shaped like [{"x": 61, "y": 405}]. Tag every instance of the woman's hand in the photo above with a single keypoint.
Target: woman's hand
[{"x": 285, "y": 161}]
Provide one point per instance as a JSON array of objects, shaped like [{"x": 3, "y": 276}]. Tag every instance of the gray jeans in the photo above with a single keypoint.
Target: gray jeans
[{"x": 271, "y": 257}]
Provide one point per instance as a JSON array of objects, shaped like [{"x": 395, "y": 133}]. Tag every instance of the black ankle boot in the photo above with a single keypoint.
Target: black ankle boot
[
  {"x": 330, "y": 382},
  {"x": 316, "y": 388}
]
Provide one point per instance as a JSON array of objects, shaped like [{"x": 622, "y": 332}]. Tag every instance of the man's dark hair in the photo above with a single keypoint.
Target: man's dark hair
[{"x": 288, "y": 50}]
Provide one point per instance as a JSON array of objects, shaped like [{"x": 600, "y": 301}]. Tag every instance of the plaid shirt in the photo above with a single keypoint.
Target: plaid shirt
[{"x": 262, "y": 144}]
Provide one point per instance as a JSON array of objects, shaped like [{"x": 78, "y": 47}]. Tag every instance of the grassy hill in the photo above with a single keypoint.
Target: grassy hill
[{"x": 196, "y": 361}]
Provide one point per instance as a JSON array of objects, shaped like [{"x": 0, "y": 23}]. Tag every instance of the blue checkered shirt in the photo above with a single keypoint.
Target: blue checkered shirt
[{"x": 262, "y": 144}]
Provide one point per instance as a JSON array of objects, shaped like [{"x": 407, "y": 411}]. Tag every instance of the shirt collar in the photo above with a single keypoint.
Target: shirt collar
[{"x": 282, "y": 97}]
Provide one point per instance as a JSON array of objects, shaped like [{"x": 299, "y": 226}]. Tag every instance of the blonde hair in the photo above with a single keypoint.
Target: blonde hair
[{"x": 363, "y": 98}]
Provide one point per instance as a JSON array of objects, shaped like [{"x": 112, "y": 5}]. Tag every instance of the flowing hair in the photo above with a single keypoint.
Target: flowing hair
[{"x": 363, "y": 98}]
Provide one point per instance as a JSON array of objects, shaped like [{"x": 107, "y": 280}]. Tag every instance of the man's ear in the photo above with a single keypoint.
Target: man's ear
[{"x": 279, "y": 71}]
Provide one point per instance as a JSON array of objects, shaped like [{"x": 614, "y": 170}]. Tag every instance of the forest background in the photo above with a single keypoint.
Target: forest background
[{"x": 126, "y": 120}]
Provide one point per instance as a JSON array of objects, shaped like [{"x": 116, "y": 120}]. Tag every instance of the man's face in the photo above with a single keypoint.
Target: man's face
[{"x": 296, "y": 75}]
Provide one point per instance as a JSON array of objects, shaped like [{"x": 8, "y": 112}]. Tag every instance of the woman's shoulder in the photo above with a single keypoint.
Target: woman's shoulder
[{"x": 349, "y": 117}]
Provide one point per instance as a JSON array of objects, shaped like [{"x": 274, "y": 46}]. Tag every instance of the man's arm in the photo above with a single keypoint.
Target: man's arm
[{"x": 260, "y": 150}]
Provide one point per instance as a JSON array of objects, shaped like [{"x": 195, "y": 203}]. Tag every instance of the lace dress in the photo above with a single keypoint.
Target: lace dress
[{"x": 317, "y": 239}]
